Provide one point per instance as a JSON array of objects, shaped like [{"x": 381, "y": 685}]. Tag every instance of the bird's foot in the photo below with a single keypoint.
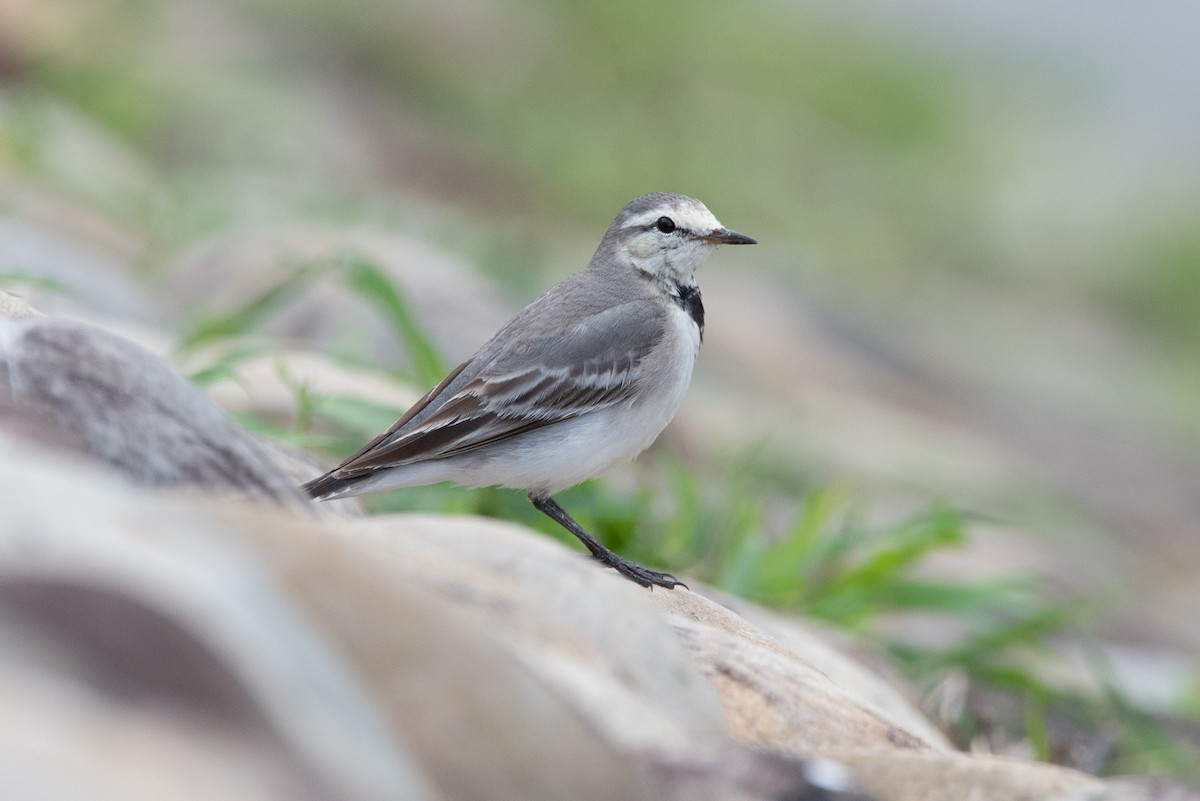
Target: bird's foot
[{"x": 642, "y": 575}]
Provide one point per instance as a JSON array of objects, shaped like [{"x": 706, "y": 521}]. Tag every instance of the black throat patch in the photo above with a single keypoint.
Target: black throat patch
[{"x": 688, "y": 297}]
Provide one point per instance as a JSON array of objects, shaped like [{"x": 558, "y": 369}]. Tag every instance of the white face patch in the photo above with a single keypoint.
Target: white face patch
[
  {"x": 671, "y": 257},
  {"x": 668, "y": 253}
]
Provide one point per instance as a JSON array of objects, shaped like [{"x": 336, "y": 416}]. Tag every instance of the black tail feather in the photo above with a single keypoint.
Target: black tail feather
[{"x": 328, "y": 485}]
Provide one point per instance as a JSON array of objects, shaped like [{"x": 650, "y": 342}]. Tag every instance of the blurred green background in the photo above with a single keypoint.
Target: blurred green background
[
  {"x": 979, "y": 277},
  {"x": 871, "y": 152}
]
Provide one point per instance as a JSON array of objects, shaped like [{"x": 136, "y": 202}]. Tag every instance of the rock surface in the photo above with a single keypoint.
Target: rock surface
[
  {"x": 102, "y": 395},
  {"x": 269, "y": 654}
]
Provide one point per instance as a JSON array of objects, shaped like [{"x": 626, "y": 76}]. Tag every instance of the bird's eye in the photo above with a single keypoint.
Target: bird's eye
[{"x": 665, "y": 224}]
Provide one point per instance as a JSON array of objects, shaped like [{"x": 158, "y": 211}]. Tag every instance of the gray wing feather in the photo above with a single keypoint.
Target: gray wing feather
[{"x": 536, "y": 380}]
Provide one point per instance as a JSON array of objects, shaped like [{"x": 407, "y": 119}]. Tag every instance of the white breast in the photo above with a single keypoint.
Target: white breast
[{"x": 669, "y": 372}]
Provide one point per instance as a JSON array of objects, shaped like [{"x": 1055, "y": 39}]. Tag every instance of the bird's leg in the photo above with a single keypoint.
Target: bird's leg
[{"x": 630, "y": 570}]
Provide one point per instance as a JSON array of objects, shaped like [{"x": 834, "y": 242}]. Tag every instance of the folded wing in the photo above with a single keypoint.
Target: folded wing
[{"x": 536, "y": 381}]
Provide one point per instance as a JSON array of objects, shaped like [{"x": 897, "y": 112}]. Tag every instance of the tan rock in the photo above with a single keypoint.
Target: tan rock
[
  {"x": 482, "y": 724},
  {"x": 595, "y": 636},
  {"x": 775, "y": 699},
  {"x": 1136, "y": 789},
  {"x": 455, "y": 657},
  {"x": 140, "y": 658},
  {"x": 842, "y": 659},
  {"x": 901, "y": 775}
]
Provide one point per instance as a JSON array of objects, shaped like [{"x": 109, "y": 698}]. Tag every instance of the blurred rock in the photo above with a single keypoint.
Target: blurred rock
[
  {"x": 902, "y": 775},
  {"x": 614, "y": 650},
  {"x": 98, "y": 394},
  {"x": 265, "y": 653},
  {"x": 833, "y": 653},
  {"x": 1129, "y": 789},
  {"x": 80, "y": 263},
  {"x": 240, "y": 645},
  {"x": 594, "y": 636},
  {"x": 776, "y": 699},
  {"x": 480, "y": 722},
  {"x": 13, "y": 306},
  {"x": 91, "y": 664},
  {"x": 142, "y": 660}
]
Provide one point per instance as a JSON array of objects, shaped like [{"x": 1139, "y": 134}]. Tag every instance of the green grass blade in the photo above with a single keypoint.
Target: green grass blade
[
  {"x": 373, "y": 285},
  {"x": 249, "y": 315},
  {"x": 46, "y": 284},
  {"x": 224, "y": 367}
]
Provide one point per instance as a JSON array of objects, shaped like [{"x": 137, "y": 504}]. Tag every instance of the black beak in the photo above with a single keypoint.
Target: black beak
[{"x": 723, "y": 236}]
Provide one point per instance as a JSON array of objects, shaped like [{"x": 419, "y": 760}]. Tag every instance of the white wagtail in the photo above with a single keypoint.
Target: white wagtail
[{"x": 583, "y": 378}]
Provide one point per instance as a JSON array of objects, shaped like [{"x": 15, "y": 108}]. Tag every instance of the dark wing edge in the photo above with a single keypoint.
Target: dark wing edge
[
  {"x": 328, "y": 485},
  {"x": 337, "y": 479}
]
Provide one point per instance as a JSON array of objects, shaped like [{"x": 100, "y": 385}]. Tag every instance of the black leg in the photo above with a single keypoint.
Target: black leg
[{"x": 630, "y": 570}]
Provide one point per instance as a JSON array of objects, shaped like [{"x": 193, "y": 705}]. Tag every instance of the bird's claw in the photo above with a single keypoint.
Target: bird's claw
[{"x": 645, "y": 576}]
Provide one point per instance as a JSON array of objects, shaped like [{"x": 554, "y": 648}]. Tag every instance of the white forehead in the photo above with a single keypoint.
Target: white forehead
[{"x": 687, "y": 213}]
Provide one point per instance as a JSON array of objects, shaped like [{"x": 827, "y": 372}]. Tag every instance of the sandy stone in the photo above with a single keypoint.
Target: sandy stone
[
  {"x": 841, "y": 659},
  {"x": 594, "y": 635},
  {"x": 483, "y": 724},
  {"x": 137, "y": 650},
  {"x": 903, "y": 775}
]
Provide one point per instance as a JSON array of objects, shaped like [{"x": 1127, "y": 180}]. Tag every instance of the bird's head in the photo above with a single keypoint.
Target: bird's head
[{"x": 666, "y": 236}]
